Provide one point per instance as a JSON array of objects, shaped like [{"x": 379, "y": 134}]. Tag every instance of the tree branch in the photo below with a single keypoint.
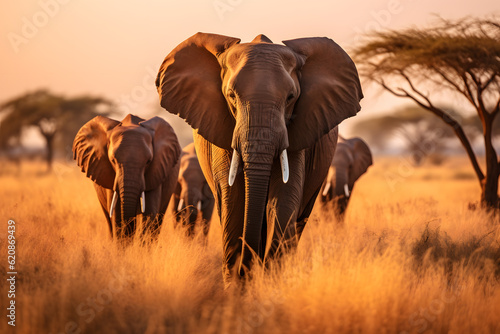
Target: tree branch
[
  {"x": 482, "y": 109},
  {"x": 419, "y": 93},
  {"x": 496, "y": 109},
  {"x": 457, "y": 128},
  {"x": 451, "y": 82},
  {"x": 469, "y": 92},
  {"x": 489, "y": 81}
]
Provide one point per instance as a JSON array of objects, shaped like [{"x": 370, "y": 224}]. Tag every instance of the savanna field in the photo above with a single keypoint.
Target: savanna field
[{"x": 414, "y": 255}]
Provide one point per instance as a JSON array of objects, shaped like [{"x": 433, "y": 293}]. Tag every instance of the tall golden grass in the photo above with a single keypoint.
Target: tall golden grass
[{"x": 414, "y": 255}]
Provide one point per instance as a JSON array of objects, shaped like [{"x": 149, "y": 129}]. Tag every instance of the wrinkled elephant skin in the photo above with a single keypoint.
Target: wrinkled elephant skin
[
  {"x": 134, "y": 165},
  {"x": 264, "y": 114}
]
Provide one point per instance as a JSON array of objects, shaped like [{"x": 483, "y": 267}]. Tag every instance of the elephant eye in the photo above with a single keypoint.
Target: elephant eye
[
  {"x": 290, "y": 98},
  {"x": 231, "y": 95}
]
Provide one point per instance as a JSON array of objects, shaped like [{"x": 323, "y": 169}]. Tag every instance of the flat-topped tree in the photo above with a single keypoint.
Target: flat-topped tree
[
  {"x": 461, "y": 56},
  {"x": 54, "y": 116}
]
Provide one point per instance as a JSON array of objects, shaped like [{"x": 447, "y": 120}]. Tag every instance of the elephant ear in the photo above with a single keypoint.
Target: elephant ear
[
  {"x": 330, "y": 90},
  {"x": 189, "y": 84},
  {"x": 90, "y": 150},
  {"x": 166, "y": 151},
  {"x": 362, "y": 159}
]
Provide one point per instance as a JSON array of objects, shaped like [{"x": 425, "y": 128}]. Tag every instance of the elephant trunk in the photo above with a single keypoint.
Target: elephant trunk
[
  {"x": 191, "y": 214},
  {"x": 341, "y": 191},
  {"x": 187, "y": 211},
  {"x": 260, "y": 137},
  {"x": 341, "y": 182},
  {"x": 257, "y": 164},
  {"x": 192, "y": 198},
  {"x": 130, "y": 194}
]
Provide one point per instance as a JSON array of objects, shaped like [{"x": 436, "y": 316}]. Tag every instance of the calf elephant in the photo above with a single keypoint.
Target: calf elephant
[
  {"x": 192, "y": 196},
  {"x": 134, "y": 165},
  {"x": 265, "y": 117},
  {"x": 351, "y": 160}
]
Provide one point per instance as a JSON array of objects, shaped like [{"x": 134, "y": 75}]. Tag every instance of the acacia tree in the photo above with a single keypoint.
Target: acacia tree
[
  {"x": 461, "y": 56},
  {"x": 51, "y": 114},
  {"x": 415, "y": 128}
]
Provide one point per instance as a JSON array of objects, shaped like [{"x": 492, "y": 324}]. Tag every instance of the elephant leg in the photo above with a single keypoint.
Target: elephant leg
[
  {"x": 152, "y": 216},
  {"x": 105, "y": 195},
  {"x": 157, "y": 202},
  {"x": 172, "y": 209},
  {"x": 291, "y": 204},
  {"x": 283, "y": 205},
  {"x": 190, "y": 221},
  {"x": 207, "y": 211},
  {"x": 302, "y": 220},
  {"x": 206, "y": 227},
  {"x": 317, "y": 162},
  {"x": 115, "y": 224},
  {"x": 230, "y": 201},
  {"x": 168, "y": 188},
  {"x": 116, "y": 220},
  {"x": 232, "y": 218}
]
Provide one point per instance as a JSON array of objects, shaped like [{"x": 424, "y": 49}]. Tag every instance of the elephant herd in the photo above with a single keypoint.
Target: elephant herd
[{"x": 266, "y": 145}]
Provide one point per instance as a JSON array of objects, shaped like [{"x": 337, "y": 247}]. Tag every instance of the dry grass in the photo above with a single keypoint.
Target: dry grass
[{"x": 411, "y": 257}]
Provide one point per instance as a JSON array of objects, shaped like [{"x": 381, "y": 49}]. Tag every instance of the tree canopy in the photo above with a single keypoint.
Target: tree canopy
[
  {"x": 57, "y": 118},
  {"x": 462, "y": 57}
]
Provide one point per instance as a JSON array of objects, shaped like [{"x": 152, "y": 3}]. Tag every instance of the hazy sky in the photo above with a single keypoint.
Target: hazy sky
[{"x": 114, "y": 48}]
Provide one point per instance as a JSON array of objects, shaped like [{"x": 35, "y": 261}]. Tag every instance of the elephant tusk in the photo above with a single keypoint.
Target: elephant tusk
[
  {"x": 198, "y": 206},
  {"x": 327, "y": 189},
  {"x": 113, "y": 204},
  {"x": 285, "y": 170},
  {"x": 235, "y": 161},
  {"x": 143, "y": 202},
  {"x": 181, "y": 203},
  {"x": 346, "y": 190}
]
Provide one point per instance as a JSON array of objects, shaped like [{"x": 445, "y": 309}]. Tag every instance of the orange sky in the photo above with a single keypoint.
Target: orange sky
[{"x": 114, "y": 48}]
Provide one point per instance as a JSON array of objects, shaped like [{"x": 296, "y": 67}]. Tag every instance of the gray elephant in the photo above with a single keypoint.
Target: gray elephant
[
  {"x": 134, "y": 165},
  {"x": 265, "y": 122},
  {"x": 351, "y": 160},
  {"x": 192, "y": 202}
]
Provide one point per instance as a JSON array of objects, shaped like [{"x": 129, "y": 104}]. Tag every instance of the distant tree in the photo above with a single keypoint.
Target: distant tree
[
  {"x": 422, "y": 141},
  {"x": 51, "y": 114},
  {"x": 78, "y": 111},
  {"x": 421, "y": 135},
  {"x": 461, "y": 56}
]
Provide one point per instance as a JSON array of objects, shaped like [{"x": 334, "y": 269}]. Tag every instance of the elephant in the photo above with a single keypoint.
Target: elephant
[
  {"x": 351, "y": 160},
  {"x": 192, "y": 196},
  {"x": 264, "y": 119},
  {"x": 134, "y": 165}
]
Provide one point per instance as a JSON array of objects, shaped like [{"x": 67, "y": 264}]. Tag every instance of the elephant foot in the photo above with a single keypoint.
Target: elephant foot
[
  {"x": 284, "y": 243},
  {"x": 235, "y": 284},
  {"x": 229, "y": 277},
  {"x": 235, "y": 277},
  {"x": 126, "y": 230},
  {"x": 152, "y": 227},
  {"x": 124, "y": 241}
]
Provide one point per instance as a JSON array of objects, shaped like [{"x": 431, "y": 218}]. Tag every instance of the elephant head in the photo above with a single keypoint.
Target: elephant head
[
  {"x": 192, "y": 196},
  {"x": 352, "y": 159},
  {"x": 259, "y": 100},
  {"x": 129, "y": 157}
]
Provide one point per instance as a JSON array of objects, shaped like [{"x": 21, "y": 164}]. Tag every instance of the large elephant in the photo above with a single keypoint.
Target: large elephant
[
  {"x": 134, "y": 165},
  {"x": 192, "y": 202},
  {"x": 265, "y": 122},
  {"x": 351, "y": 160}
]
